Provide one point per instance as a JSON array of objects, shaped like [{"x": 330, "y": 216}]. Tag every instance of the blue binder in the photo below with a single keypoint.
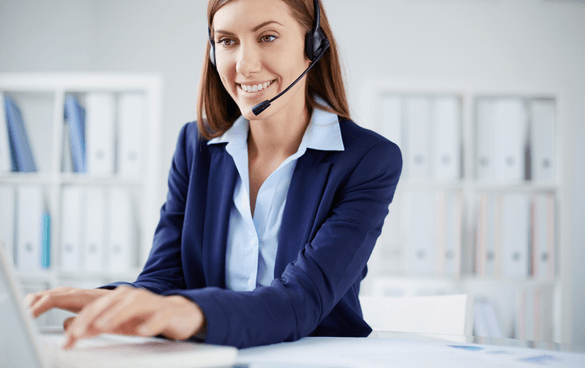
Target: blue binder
[
  {"x": 21, "y": 153},
  {"x": 75, "y": 116},
  {"x": 46, "y": 241}
]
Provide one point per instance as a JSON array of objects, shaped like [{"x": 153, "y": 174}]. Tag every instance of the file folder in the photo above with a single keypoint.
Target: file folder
[
  {"x": 446, "y": 144},
  {"x": 18, "y": 137},
  {"x": 100, "y": 120},
  {"x": 417, "y": 147},
  {"x": 515, "y": 235},
  {"x": 29, "y": 222},
  {"x": 485, "y": 137},
  {"x": 72, "y": 222},
  {"x": 93, "y": 245},
  {"x": 534, "y": 314},
  {"x": 543, "y": 235},
  {"x": 452, "y": 225},
  {"x": 122, "y": 231},
  {"x": 5, "y": 159},
  {"x": 391, "y": 127},
  {"x": 46, "y": 241},
  {"x": 7, "y": 216},
  {"x": 66, "y": 156},
  {"x": 75, "y": 117},
  {"x": 542, "y": 145},
  {"x": 131, "y": 123},
  {"x": 510, "y": 126},
  {"x": 420, "y": 232}
]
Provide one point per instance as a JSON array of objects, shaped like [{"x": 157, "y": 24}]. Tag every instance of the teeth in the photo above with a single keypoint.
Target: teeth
[{"x": 255, "y": 87}]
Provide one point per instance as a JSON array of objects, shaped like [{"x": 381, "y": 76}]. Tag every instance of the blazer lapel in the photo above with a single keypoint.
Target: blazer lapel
[
  {"x": 302, "y": 203},
  {"x": 222, "y": 181}
]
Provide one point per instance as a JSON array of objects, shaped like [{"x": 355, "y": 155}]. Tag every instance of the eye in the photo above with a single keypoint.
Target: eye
[
  {"x": 268, "y": 38},
  {"x": 225, "y": 42}
]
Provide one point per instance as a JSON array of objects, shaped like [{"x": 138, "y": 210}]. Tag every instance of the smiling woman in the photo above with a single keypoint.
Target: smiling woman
[
  {"x": 270, "y": 216},
  {"x": 296, "y": 20}
]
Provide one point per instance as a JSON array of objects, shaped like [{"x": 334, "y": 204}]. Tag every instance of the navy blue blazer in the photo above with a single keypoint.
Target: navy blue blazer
[{"x": 334, "y": 212}]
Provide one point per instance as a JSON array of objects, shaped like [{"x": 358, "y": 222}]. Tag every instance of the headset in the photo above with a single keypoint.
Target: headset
[{"x": 316, "y": 43}]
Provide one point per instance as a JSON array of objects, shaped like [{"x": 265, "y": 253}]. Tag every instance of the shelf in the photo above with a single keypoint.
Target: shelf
[
  {"x": 526, "y": 186},
  {"x": 26, "y": 178},
  {"x": 88, "y": 179},
  {"x": 69, "y": 178}
]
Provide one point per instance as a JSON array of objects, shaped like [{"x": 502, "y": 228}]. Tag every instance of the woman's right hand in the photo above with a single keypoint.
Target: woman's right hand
[{"x": 66, "y": 298}]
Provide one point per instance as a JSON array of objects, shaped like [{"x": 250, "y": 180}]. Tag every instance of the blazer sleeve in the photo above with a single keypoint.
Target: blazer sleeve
[{"x": 310, "y": 287}]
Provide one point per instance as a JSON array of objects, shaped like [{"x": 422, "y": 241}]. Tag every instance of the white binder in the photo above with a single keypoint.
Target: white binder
[
  {"x": 543, "y": 140},
  {"x": 510, "y": 129},
  {"x": 492, "y": 217},
  {"x": 29, "y": 223},
  {"x": 94, "y": 238},
  {"x": 420, "y": 232},
  {"x": 131, "y": 122},
  {"x": 453, "y": 223},
  {"x": 417, "y": 160},
  {"x": 515, "y": 234},
  {"x": 122, "y": 231},
  {"x": 534, "y": 314},
  {"x": 5, "y": 164},
  {"x": 446, "y": 146},
  {"x": 391, "y": 127},
  {"x": 66, "y": 157},
  {"x": 485, "y": 140},
  {"x": 7, "y": 216},
  {"x": 543, "y": 237},
  {"x": 73, "y": 212},
  {"x": 100, "y": 125}
]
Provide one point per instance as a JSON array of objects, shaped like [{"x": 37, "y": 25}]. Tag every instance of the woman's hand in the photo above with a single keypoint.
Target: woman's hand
[
  {"x": 131, "y": 311},
  {"x": 67, "y": 298}
]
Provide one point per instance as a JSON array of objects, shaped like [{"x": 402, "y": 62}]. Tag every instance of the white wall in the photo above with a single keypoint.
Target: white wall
[{"x": 520, "y": 40}]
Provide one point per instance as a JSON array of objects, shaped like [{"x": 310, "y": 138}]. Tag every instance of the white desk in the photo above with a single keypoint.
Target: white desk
[{"x": 403, "y": 350}]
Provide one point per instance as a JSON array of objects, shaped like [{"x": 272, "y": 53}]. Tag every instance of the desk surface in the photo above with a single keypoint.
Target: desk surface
[{"x": 408, "y": 350}]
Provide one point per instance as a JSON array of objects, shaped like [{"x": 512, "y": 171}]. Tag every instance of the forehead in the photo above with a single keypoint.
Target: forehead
[{"x": 247, "y": 14}]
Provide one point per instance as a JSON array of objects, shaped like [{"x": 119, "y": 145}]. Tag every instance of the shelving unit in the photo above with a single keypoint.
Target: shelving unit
[
  {"x": 42, "y": 98},
  {"x": 387, "y": 265}
]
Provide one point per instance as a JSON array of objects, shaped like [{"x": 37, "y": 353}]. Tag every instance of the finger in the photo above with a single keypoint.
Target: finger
[
  {"x": 67, "y": 323},
  {"x": 88, "y": 315},
  {"x": 30, "y": 299},
  {"x": 64, "y": 299},
  {"x": 135, "y": 305},
  {"x": 155, "y": 325},
  {"x": 69, "y": 342}
]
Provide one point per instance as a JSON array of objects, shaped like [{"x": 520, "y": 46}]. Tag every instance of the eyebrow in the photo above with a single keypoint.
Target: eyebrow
[{"x": 253, "y": 29}]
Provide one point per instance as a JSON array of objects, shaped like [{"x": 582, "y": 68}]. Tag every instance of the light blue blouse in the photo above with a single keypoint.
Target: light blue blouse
[{"x": 252, "y": 241}]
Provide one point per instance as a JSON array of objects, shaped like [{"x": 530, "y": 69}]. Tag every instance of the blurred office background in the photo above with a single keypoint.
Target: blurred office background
[{"x": 528, "y": 42}]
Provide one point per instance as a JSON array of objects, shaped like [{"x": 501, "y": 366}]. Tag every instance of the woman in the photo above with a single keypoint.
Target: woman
[{"x": 270, "y": 218}]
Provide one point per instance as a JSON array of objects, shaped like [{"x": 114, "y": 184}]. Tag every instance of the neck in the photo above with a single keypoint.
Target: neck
[{"x": 278, "y": 136}]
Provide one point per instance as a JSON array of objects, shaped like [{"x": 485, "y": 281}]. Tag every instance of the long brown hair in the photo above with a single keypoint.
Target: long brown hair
[{"x": 324, "y": 79}]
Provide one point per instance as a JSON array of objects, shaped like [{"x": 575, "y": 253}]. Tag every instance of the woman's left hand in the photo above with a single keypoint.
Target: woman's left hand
[{"x": 131, "y": 311}]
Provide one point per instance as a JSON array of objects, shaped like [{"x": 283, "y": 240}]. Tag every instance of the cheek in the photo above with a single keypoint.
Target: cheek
[{"x": 226, "y": 74}]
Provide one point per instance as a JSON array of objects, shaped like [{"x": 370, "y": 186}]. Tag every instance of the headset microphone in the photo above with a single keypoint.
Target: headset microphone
[{"x": 257, "y": 110}]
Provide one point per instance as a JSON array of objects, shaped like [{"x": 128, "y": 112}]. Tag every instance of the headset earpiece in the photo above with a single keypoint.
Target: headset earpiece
[
  {"x": 211, "y": 47},
  {"x": 316, "y": 43}
]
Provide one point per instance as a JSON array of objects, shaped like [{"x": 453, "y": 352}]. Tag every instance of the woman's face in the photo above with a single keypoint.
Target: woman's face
[{"x": 259, "y": 52}]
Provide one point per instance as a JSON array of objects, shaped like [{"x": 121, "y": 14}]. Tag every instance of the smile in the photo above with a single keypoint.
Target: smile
[{"x": 251, "y": 88}]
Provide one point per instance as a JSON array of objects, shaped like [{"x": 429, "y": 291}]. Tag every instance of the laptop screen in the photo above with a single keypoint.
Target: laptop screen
[{"x": 17, "y": 348}]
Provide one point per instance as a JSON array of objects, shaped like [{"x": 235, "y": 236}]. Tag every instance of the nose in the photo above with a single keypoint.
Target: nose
[{"x": 248, "y": 61}]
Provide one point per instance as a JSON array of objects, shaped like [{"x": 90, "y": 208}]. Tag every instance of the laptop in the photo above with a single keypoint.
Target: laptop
[{"x": 22, "y": 345}]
